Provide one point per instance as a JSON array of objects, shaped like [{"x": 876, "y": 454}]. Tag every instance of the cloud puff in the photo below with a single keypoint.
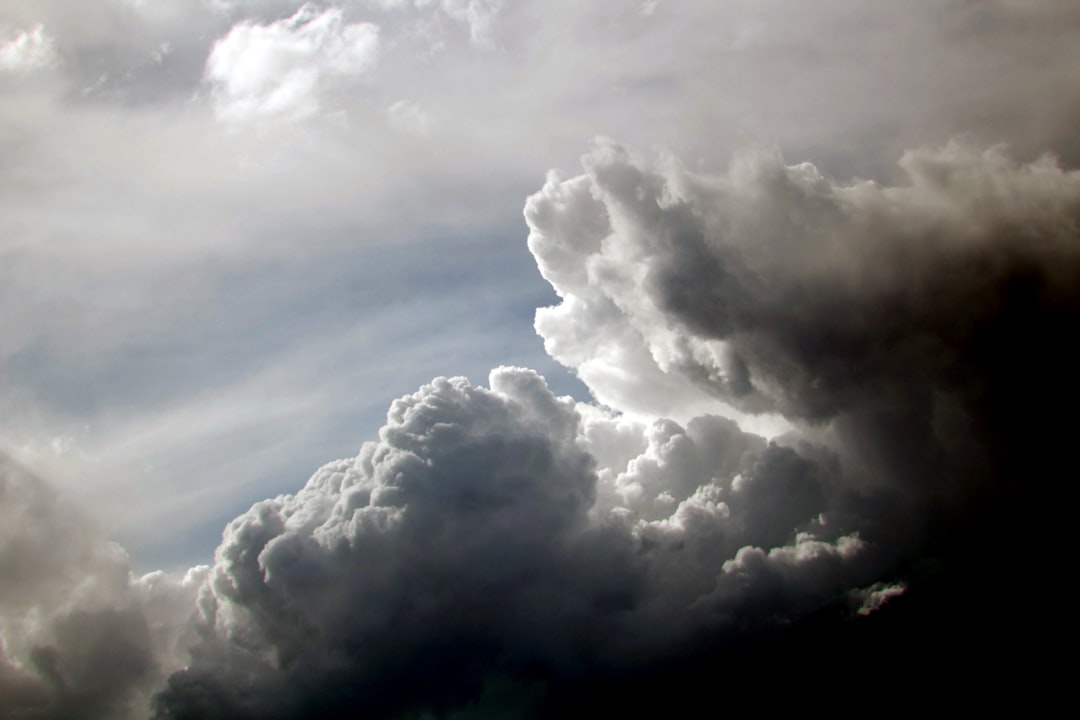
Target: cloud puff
[
  {"x": 467, "y": 547},
  {"x": 27, "y": 51},
  {"x": 79, "y": 637},
  {"x": 283, "y": 68}
]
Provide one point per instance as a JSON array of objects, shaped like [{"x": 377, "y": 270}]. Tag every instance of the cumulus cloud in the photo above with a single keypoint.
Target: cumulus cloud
[
  {"x": 506, "y": 551},
  {"x": 773, "y": 288},
  {"x": 506, "y": 546},
  {"x": 478, "y": 15},
  {"x": 283, "y": 68},
  {"x": 918, "y": 331},
  {"x": 468, "y": 546},
  {"x": 903, "y": 348},
  {"x": 79, "y": 636}
]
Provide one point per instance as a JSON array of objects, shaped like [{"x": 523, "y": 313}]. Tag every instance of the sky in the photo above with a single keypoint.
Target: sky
[{"x": 482, "y": 358}]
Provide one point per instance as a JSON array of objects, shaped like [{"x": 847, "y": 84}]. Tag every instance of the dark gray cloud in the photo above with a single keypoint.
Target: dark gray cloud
[{"x": 467, "y": 548}]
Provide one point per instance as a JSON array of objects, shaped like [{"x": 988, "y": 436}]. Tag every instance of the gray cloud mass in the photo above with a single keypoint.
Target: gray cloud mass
[
  {"x": 479, "y": 541},
  {"x": 819, "y": 454},
  {"x": 467, "y": 546}
]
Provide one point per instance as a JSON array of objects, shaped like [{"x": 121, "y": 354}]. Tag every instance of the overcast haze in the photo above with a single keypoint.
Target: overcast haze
[{"x": 663, "y": 341}]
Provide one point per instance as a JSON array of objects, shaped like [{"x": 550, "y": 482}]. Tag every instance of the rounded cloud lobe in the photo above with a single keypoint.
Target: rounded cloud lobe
[
  {"x": 469, "y": 547},
  {"x": 281, "y": 69}
]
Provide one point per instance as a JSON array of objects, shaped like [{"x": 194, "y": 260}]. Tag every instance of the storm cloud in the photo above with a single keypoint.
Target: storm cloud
[
  {"x": 506, "y": 547},
  {"x": 815, "y": 315}
]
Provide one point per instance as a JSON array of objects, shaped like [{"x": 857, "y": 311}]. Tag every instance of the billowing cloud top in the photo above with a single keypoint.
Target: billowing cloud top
[
  {"x": 776, "y": 289},
  {"x": 468, "y": 546}
]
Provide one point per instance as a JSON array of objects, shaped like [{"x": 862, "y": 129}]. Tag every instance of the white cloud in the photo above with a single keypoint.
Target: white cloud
[
  {"x": 27, "y": 51},
  {"x": 284, "y": 69}
]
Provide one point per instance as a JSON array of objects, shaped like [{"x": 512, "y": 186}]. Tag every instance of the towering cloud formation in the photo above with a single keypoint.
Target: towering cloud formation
[
  {"x": 922, "y": 332},
  {"x": 507, "y": 551}
]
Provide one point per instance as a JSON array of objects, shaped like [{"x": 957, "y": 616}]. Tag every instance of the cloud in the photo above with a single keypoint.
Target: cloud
[
  {"x": 27, "y": 51},
  {"x": 466, "y": 546},
  {"x": 772, "y": 288},
  {"x": 875, "y": 597},
  {"x": 478, "y": 15},
  {"x": 282, "y": 69},
  {"x": 176, "y": 293},
  {"x": 506, "y": 547},
  {"x": 409, "y": 118},
  {"x": 918, "y": 331},
  {"x": 79, "y": 636}
]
